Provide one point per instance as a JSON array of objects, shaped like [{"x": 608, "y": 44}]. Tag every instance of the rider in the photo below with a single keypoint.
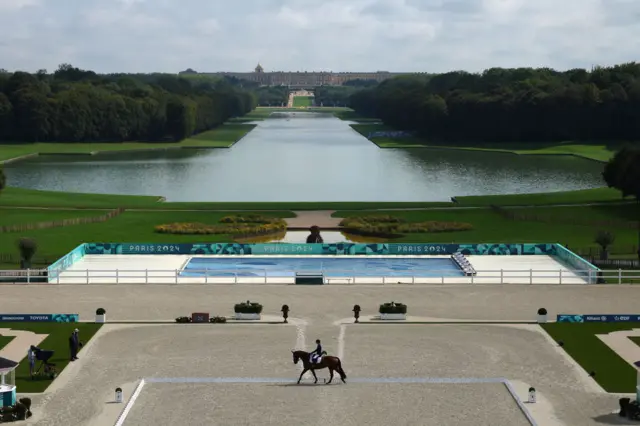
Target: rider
[{"x": 317, "y": 353}]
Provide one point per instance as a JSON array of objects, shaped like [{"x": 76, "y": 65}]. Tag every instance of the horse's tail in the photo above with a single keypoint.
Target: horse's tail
[{"x": 343, "y": 375}]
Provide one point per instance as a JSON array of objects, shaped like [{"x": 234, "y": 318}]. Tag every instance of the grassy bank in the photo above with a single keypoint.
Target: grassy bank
[
  {"x": 221, "y": 137},
  {"x": 552, "y": 225},
  {"x": 597, "y": 151},
  {"x": 20, "y": 197},
  {"x": 132, "y": 227},
  {"x": 5, "y": 340},
  {"x": 585, "y": 196},
  {"x": 22, "y": 216},
  {"x": 57, "y": 341},
  {"x": 302, "y": 101},
  {"x": 613, "y": 373}
]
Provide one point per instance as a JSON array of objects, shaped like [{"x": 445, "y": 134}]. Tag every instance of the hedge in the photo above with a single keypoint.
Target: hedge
[
  {"x": 393, "y": 308},
  {"x": 234, "y": 225},
  {"x": 389, "y": 225},
  {"x": 247, "y": 308}
]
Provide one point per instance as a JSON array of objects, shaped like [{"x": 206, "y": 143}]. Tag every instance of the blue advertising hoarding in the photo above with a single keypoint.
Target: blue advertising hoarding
[
  {"x": 39, "y": 317},
  {"x": 598, "y": 318}
]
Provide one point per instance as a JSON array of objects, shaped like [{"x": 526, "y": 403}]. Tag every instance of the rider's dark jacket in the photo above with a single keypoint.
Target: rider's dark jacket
[{"x": 318, "y": 350}]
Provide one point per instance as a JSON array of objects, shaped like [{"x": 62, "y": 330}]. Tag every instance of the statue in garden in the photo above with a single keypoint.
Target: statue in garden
[{"x": 314, "y": 236}]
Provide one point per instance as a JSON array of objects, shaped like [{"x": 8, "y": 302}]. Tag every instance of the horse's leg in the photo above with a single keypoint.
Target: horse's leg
[
  {"x": 330, "y": 375},
  {"x": 313, "y": 371},
  {"x": 304, "y": 370}
]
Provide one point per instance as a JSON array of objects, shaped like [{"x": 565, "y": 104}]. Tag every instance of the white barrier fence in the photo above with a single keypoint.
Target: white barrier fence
[{"x": 216, "y": 276}]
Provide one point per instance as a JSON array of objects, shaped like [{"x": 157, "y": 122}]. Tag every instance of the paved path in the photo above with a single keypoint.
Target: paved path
[
  {"x": 18, "y": 347},
  {"x": 306, "y": 219}
]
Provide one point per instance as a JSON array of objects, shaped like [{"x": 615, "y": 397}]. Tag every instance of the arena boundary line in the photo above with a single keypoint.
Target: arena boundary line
[
  {"x": 127, "y": 408},
  {"x": 408, "y": 380}
]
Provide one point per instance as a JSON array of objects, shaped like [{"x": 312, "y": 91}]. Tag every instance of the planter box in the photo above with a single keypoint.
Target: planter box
[
  {"x": 542, "y": 319},
  {"x": 100, "y": 319},
  {"x": 393, "y": 316},
  {"x": 241, "y": 316}
]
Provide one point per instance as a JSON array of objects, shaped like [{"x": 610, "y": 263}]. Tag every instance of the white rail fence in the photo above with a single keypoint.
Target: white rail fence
[{"x": 216, "y": 276}]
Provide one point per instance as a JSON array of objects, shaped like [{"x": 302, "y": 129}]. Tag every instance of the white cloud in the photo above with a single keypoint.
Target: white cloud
[{"x": 338, "y": 35}]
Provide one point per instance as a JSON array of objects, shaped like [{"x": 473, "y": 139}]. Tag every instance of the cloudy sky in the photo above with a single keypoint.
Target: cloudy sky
[{"x": 306, "y": 35}]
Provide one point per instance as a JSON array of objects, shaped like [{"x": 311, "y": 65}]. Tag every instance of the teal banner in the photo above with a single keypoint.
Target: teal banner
[{"x": 320, "y": 249}]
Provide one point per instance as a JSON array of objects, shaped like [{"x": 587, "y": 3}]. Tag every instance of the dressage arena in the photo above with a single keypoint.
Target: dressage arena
[
  {"x": 243, "y": 374},
  {"x": 371, "y": 269}
]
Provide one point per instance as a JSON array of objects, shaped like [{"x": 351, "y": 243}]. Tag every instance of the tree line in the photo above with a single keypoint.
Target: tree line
[
  {"x": 75, "y": 105},
  {"x": 511, "y": 105}
]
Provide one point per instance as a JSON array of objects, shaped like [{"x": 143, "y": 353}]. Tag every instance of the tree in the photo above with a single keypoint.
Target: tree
[
  {"x": 511, "y": 105},
  {"x": 3, "y": 179},
  {"x": 623, "y": 172},
  {"x": 75, "y": 105},
  {"x": 604, "y": 239},
  {"x": 27, "y": 248}
]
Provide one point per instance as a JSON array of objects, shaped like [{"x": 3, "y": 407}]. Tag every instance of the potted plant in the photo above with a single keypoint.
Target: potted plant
[
  {"x": 285, "y": 313},
  {"x": 247, "y": 310},
  {"x": 542, "y": 315},
  {"x": 393, "y": 311},
  {"x": 356, "y": 312},
  {"x": 101, "y": 315},
  {"x": 183, "y": 320}
]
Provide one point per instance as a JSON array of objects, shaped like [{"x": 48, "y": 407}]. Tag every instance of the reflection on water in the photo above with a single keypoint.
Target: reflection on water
[
  {"x": 309, "y": 157},
  {"x": 301, "y": 237}
]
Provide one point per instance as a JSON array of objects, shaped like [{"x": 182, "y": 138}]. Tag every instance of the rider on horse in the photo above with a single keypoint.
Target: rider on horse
[{"x": 316, "y": 355}]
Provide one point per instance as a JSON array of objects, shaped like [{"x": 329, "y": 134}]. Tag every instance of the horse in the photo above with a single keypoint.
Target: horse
[{"x": 333, "y": 363}]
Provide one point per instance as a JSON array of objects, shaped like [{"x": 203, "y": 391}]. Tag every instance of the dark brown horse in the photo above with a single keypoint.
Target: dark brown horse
[{"x": 331, "y": 362}]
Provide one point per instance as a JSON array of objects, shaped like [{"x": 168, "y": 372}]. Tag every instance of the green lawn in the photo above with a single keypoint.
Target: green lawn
[
  {"x": 5, "y": 340},
  {"x": 635, "y": 339},
  {"x": 129, "y": 227},
  {"x": 10, "y": 216},
  {"x": 597, "y": 151},
  {"x": 302, "y": 101},
  {"x": 58, "y": 341},
  {"x": 612, "y": 372},
  {"x": 596, "y": 195},
  {"x": 557, "y": 227},
  {"x": 221, "y": 137}
]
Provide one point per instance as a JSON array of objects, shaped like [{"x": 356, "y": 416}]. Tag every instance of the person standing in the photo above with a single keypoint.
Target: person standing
[
  {"x": 74, "y": 344},
  {"x": 31, "y": 356}
]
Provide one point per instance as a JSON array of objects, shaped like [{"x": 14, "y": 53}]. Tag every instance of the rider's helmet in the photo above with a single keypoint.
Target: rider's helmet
[{"x": 318, "y": 341}]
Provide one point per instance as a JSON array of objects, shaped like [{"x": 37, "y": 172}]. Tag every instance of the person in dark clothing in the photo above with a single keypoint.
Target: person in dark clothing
[
  {"x": 317, "y": 353},
  {"x": 74, "y": 344},
  {"x": 314, "y": 237}
]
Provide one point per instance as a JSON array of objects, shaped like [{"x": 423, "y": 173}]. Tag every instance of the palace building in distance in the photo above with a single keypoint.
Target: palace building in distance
[{"x": 300, "y": 79}]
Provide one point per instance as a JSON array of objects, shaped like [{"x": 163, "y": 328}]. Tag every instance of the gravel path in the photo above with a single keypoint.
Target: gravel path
[{"x": 322, "y": 303}]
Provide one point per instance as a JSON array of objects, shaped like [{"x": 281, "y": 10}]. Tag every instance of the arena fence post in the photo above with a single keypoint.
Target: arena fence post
[
  {"x": 175, "y": 271},
  {"x": 117, "y": 276},
  {"x": 501, "y": 276},
  {"x": 530, "y": 276},
  {"x": 560, "y": 277},
  {"x": 87, "y": 275},
  {"x": 620, "y": 276},
  {"x": 146, "y": 276}
]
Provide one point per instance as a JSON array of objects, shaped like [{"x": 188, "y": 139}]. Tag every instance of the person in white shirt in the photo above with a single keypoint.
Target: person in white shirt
[{"x": 31, "y": 356}]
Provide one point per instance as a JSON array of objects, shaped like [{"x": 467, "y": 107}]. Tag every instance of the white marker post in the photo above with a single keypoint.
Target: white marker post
[
  {"x": 118, "y": 395},
  {"x": 532, "y": 395}
]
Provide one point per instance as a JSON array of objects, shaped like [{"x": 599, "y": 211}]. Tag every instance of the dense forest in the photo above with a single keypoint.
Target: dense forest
[
  {"x": 511, "y": 105},
  {"x": 74, "y": 105}
]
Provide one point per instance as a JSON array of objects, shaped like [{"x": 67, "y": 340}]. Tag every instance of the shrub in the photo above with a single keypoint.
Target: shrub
[
  {"x": 27, "y": 248},
  {"x": 542, "y": 311},
  {"x": 183, "y": 320},
  {"x": 393, "y": 308},
  {"x": 217, "y": 320},
  {"x": 100, "y": 311},
  {"x": 386, "y": 225},
  {"x": 252, "y": 218},
  {"x": 189, "y": 228},
  {"x": 247, "y": 308}
]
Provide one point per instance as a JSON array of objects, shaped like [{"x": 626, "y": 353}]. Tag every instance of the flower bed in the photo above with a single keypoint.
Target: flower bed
[
  {"x": 389, "y": 225},
  {"x": 234, "y": 225}
]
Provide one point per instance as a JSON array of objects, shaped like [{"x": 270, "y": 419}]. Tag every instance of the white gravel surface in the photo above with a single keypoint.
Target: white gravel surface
[
  {"x": 336, "y": 405},
  {"x": 123, "y": 354}
]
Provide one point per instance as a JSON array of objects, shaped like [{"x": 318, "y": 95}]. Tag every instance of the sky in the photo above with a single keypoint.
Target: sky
[{"x": 316, "y": 35}]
